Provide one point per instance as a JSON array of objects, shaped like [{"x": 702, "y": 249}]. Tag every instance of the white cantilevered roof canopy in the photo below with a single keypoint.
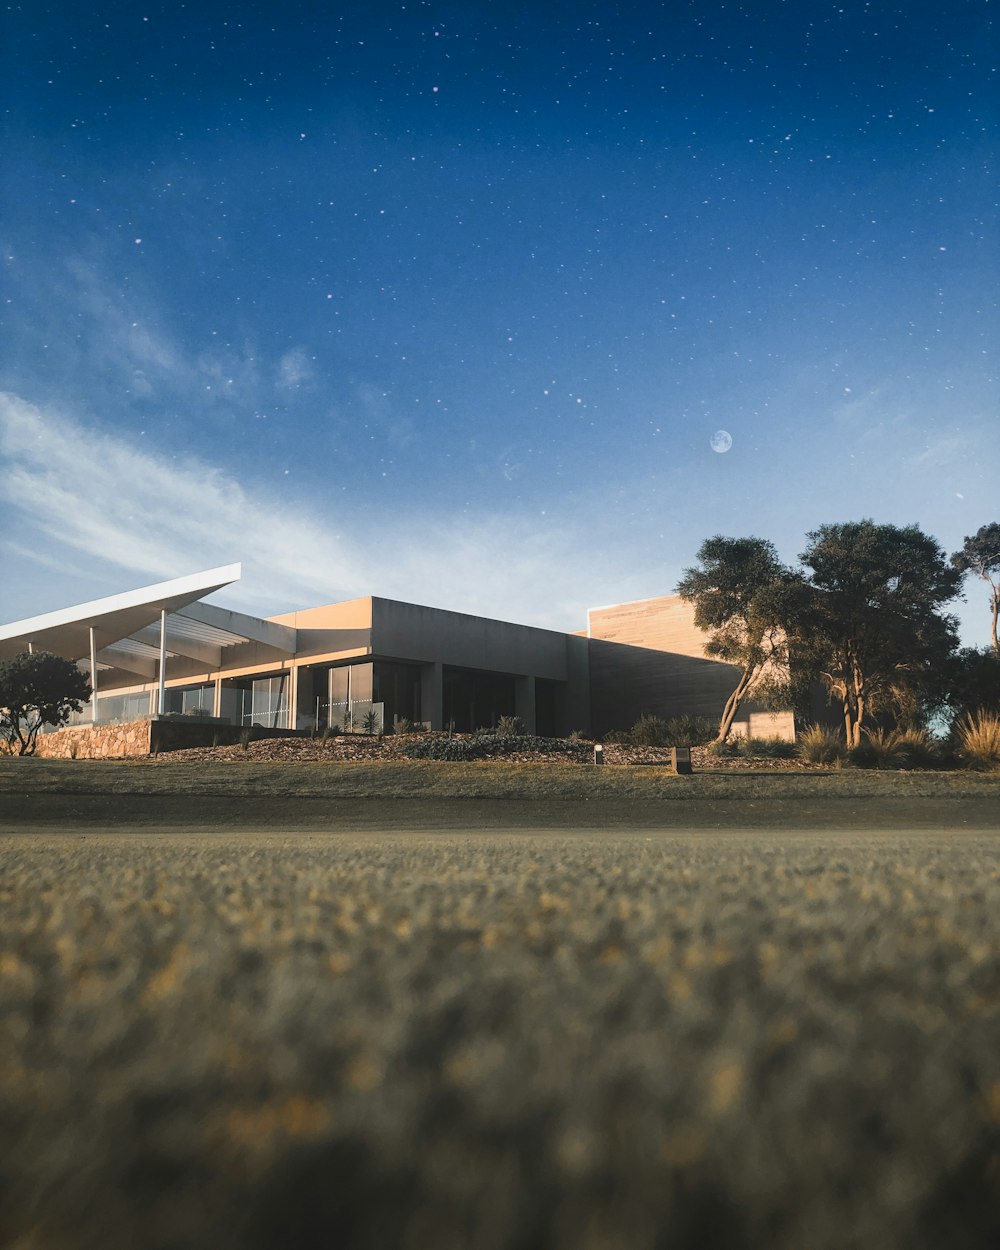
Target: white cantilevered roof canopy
[{"x": 123, "y": 632}]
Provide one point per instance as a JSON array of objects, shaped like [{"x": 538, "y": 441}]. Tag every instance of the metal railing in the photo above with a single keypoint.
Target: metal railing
[{"x": 359, "y": 716}]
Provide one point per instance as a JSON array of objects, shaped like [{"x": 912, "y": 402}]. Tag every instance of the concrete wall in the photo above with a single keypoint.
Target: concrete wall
[
  {"x": 435, "y": 637},
  {"x": 407, "y": 631}
]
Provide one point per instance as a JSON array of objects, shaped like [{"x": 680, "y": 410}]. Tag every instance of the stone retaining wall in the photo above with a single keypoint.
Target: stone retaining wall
[
  {"x": 145, "y": 737},
  {"x": 95, "y": 742}
]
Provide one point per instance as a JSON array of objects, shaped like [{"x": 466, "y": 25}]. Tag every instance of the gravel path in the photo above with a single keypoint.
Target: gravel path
[{"x": 501, "y": 1042}]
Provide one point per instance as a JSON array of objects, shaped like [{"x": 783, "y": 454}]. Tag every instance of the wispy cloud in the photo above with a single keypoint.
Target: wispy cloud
[
  {"x": 106, "y": 497},
  {"x": 295, "y": 368}
]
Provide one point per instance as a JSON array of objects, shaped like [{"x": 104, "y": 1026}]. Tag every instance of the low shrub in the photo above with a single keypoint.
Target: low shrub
[
  {"x": 491, "y": 745},
  {"x": 649, "y": 731},
  {"x": 673, "y": 731},
  {"x": 979, "y": 740},
  {"x": 509, "y": 727},
  {"x": 690, "y": 731},
  {"x": 819, "y": 744},
  {"x": 402, "y": 725},
  {"x": 449, "y": 748}
]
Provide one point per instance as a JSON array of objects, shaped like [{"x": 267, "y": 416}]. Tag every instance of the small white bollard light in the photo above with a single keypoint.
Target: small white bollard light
[{"x": 598, "y": 753}]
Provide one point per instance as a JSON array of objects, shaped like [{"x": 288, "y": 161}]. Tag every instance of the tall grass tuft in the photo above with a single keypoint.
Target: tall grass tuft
[
  {"x": 755, "y": 748},
  {"x": 919, "y": 749},
  {"x": 979, "y": 740},
  {"x": 820, "y": 744},
  {"x": 895, "y": 748}
]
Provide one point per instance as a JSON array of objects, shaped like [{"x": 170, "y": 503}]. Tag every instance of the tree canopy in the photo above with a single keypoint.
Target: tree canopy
[
  {"x": 873, "y": 626},
  {"x": 741, "y": 593},
  {"x": 981, "y": 555},
  {"x": 36, "y": 689}
]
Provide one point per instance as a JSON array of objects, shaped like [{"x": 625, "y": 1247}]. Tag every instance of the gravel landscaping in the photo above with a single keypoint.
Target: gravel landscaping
[
  {"x": 501, "y": 1041},
  {"x": 357, "y": 747}
]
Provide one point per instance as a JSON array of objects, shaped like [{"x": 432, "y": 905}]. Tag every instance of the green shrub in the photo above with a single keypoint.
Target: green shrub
[
  {"x": 402, "y": 725},
  {"x": 674, "y": 731},
  {"x": 731, "y": 749},
  {"x": 649, "y": 731},
  {"x": 979, "y": 740},
  {"x": 509, "y": 727},
  {"x": 690, "y": 731},
  {"x": 819, "y": 744}
]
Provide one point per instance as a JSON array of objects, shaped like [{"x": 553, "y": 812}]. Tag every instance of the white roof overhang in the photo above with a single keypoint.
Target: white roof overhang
[{"x": 127, "y": 627}]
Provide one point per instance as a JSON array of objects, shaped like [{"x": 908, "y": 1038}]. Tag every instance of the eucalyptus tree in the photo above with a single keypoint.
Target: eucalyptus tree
[
  {"x": 38, "y": 688},
  {"x": 873, "y": 627},
  {"x": 741, "y": 593},
  {"x": 981, "y": 555}
]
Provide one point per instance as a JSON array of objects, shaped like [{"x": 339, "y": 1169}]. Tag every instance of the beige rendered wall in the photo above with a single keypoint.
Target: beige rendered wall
[
  {"x": 648, "y": 657},
  {"x": 333, "y": 630}
]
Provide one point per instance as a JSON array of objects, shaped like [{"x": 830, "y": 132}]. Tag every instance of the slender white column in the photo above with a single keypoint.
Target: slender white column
[
  {"x": 93, "y": 678},
  {"x": 217, "y": 699},
  {"x": 293, "y": 699},
  {"x": 162, "y": 701}
]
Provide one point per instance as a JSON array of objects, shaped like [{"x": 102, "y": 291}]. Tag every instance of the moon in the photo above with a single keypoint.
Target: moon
[{"x": 721, "y": 441}]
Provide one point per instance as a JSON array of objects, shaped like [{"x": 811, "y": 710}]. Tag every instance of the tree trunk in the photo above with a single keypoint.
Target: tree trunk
[
  {"x": 854, "y": 699},
  {"x": 995, "y": 605},
  {"x": 747, "y": 678}
]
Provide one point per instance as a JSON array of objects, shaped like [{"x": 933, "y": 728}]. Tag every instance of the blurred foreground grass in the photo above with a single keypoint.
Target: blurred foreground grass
[{"x": 500, "y": 1042}]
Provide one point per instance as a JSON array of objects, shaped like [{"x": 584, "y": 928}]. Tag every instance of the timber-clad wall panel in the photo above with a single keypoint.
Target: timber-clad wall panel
[{"x": 648, "y": 657}]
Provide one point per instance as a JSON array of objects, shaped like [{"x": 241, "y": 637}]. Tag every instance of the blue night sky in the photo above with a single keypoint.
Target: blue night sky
[{"x": 445, "y": 301}]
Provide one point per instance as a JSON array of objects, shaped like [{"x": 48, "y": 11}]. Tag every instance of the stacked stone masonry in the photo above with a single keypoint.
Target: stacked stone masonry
[{"x": 95, "y": 742}]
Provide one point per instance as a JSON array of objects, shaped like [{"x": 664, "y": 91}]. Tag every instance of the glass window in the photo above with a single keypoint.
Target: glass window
[{"x": 194, "y": 701}]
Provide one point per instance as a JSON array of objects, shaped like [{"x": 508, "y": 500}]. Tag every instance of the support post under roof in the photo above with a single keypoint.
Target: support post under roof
[
  {"x": 93, "y": 678},
  {"x": 162, "y": 701}
]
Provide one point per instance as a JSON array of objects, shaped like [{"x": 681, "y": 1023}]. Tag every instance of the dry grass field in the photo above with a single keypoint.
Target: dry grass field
[
  {"x": 240, "y": 793},
  {"x": 745, "y": 1019}
]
